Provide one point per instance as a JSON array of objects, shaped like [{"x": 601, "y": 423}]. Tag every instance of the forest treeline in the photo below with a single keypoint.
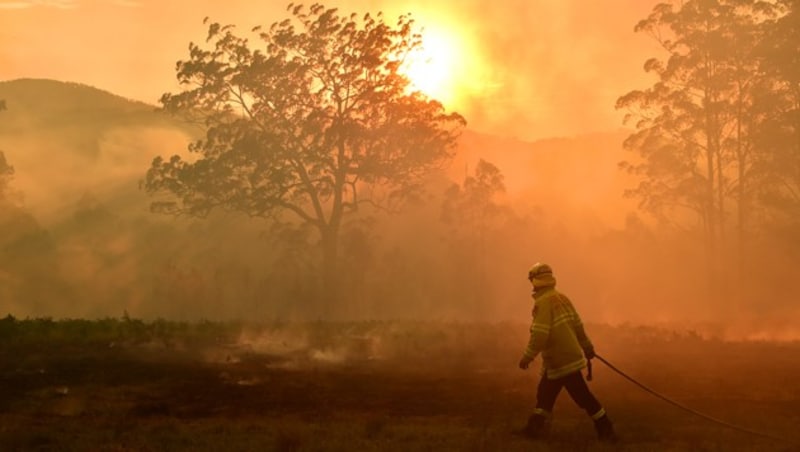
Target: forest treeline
[
  {"x": 718, "y": 134},
  {"x": 310, "y": 193}
]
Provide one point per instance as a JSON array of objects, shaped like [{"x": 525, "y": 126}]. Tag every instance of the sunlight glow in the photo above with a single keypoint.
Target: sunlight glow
[
  {"x": 433, "y": 68},
  {"x": 446, "y": 67}
]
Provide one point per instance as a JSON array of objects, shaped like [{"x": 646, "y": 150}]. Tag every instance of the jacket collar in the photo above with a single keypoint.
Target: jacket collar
[{"x": 541, "y": 291}]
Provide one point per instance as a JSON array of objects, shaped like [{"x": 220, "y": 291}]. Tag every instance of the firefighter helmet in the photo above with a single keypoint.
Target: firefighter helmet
[{"x": 541, "y": 275}]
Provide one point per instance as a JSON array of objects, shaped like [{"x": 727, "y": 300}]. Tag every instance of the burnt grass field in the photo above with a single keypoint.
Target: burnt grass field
[{"x": 129, "y": 385}]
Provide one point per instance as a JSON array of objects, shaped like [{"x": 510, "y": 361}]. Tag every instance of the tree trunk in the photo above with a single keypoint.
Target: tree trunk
[
  {"x": 330, "y": 295},
  {"x": 711, "y": 209},
  {"x": 742, "y": 201}
]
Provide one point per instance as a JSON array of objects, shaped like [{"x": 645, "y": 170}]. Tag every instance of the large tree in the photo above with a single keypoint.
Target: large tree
[
  {"x": 695, "y": 126},
  {"x": 474, "y": 216},
  {"x": 314, "y": 118},
  {"x": 779, "y": 104}
]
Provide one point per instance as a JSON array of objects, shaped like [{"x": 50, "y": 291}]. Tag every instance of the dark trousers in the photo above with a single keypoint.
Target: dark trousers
[{"x": 548, "y": 391}]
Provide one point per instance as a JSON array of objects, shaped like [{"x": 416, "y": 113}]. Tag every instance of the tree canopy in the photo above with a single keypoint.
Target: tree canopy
[
  {"x": 313, "y": 118},
  {"x": 717, "y": 135}
]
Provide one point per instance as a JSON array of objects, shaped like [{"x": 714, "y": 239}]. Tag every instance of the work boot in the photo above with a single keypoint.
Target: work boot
[
  {"x": 536, "y": 427},
  {"x": 605, "y": 430}
]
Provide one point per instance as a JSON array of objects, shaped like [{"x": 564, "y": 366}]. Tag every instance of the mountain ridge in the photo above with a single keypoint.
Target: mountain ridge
[{"x": 106, "y": 142}]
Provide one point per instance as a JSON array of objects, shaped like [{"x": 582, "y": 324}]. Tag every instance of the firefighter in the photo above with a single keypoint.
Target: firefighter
[{"x": 557, "y": 333}]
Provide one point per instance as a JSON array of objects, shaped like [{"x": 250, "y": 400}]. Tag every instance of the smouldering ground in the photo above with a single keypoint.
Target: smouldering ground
[{"x": 372, "y": 386}]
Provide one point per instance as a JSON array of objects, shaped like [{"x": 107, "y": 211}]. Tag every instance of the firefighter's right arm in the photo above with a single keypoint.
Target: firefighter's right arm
[{"x": 583, "y": 339}]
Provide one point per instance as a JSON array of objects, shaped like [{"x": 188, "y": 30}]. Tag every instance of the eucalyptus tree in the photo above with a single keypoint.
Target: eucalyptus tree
[
  {"x": 311, "y": 116},
  {"x": 695, "y": 125},
  {"x": 472, "y": 212},
  {"x": 779, "y": 105},
  {"x": 472, "y": 204}
]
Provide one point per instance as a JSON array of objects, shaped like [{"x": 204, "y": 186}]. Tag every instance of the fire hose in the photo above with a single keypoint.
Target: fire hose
[{"x": 684, "y": 407}]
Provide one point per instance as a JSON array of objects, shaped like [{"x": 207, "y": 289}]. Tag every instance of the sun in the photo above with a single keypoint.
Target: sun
[
  {"x": 433, "y": 68},
  {"x": 446, "y": 66}
]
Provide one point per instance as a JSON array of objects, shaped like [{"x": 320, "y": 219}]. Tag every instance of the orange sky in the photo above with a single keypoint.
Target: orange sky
[{"x": 550, "y": 67}]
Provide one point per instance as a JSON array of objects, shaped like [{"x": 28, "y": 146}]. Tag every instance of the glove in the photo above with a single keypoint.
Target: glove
[
  {"x": 524, "y": 362},
  {"x": 589, "y": 352}
]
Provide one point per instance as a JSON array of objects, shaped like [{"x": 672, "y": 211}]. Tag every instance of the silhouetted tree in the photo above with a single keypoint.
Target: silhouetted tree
[
  {"x": 695, "y": 126},
  {"x": 6, "y": 173},
  {"x": 471, "y": 211},
  {"x": 315, "y": 121},
  {"x": 29, "y": 272},
  {"x": 779, "y": 104},
  {"x": 471, "y": 205}
]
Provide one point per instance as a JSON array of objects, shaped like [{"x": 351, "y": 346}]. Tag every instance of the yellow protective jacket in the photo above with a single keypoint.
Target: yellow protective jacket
[{"x": 557, "y": 333}]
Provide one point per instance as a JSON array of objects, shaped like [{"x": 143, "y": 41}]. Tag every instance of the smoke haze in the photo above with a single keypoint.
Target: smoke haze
[
  {"x": 83, "y": 243},
  {"x": 547, "y": 68}
]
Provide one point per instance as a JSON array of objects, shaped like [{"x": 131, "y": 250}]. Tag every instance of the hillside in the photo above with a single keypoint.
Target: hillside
[
  {"x": 51, "y": 100},
  {"x": 66, "y": 140}
]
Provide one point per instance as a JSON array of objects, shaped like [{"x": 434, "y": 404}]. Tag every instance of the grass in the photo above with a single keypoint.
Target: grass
[{"x": 132, "y": 385}]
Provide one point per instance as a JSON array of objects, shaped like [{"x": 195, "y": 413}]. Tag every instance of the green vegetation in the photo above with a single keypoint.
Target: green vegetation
[{"x": 109, "y": 331}]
